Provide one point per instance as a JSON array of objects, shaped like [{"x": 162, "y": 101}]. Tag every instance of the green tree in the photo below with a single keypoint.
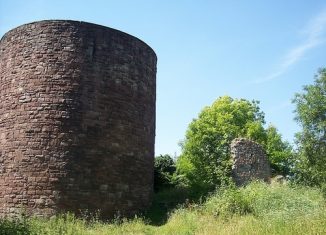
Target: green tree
[
  {"x": 311, "y": 141},
  {"x": 205, "y": 160},
  {"x": 164, "y": 168},
  {"x": 279, "y": 152}
]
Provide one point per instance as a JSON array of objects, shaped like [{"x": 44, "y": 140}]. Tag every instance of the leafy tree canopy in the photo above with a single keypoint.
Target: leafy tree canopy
[
  {"x": 311, "y": 115},
  {"x": 279, "y": 152},
  {"x": 205, "y": 160}
]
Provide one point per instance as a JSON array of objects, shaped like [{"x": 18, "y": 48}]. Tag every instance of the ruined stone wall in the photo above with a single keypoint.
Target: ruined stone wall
[
  {"x": 249, "y": 162},
  {"x": 77, "y": 119}
]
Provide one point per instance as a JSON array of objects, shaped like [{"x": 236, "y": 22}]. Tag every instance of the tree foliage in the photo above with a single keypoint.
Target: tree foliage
[
  {"x": 279, "y": 152},
  {"x": 311, "y": 140},
  {"x": 164, "y": 168},
  {"x": 205, "y": 160}
]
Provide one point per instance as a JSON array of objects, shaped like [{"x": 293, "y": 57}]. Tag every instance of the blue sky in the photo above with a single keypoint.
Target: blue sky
[{"x": 262, "y": 50}]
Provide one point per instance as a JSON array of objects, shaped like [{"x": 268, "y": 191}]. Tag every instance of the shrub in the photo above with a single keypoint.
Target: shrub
[{"x": 164, "y": 168}]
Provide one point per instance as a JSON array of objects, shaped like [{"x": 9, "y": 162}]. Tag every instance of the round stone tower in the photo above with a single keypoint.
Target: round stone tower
[{"x": 77, "y": 120}]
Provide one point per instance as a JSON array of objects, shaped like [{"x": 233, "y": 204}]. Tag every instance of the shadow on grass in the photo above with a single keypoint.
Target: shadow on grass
[
  {"x": 164, "y": 203},
  {"x": 168, "y": 200}
]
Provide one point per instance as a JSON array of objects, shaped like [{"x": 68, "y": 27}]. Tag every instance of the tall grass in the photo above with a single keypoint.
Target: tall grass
[
  {"x": 274, "y": 201},
  {"x": 255, "y": 209}
]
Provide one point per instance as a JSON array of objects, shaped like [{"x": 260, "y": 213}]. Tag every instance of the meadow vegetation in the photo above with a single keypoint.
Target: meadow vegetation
[{"x": 257, "y": 208}]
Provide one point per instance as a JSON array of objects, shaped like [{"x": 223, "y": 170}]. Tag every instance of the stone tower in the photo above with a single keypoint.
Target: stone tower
[{"x": 77, "y": 120}]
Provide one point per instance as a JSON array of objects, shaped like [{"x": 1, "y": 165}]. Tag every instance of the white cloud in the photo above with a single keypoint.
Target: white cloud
[{"x": 314, "y": 33}]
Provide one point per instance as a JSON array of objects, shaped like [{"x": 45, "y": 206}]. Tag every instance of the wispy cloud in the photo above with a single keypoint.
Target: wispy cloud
[
  {"x": 314, "y": 34},
  {"x": 286, "y": 104}
]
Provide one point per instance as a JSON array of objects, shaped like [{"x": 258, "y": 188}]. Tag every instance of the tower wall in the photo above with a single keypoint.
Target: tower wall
[{"x": 77, "y": 120}]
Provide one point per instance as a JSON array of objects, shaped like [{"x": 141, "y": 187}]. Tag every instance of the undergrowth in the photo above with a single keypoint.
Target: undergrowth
[{"x": 255, "y": 209}]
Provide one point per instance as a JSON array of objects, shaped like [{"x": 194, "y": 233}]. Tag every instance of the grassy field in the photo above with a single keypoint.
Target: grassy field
[{"x": 255, "y": 209}]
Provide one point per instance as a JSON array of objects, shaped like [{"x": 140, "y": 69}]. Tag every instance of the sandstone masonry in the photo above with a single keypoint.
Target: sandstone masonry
[
  {"x": 249, "y": 162},
  {"x": 77, "y": 120}
]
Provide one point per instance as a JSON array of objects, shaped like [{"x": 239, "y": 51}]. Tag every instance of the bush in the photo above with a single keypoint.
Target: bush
[
  {"x": 228, "y": 201},
  {"x": 164, "y": 169}
]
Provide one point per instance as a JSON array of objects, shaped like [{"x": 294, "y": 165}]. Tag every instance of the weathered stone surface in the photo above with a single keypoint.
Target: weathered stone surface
[
  {"x": 77, "y": 119},
  {"x": 249, "y": 162}
]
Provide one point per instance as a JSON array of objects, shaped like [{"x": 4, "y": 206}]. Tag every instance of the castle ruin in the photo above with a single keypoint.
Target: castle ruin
[{"x": 249, "y": 162}]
